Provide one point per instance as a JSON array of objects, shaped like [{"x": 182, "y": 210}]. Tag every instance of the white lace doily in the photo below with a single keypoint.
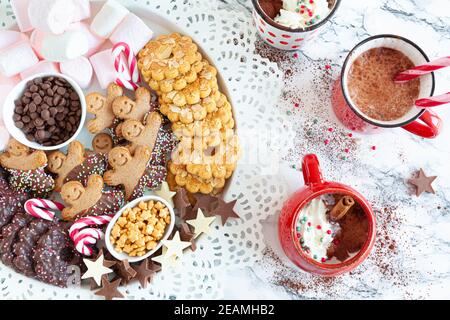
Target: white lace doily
[{"x": 254, "y": 85}]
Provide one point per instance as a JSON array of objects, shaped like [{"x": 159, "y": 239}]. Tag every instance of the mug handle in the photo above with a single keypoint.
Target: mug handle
[
  {"x": 311, "y": 170},
  {"x": 430, "y": 128}
]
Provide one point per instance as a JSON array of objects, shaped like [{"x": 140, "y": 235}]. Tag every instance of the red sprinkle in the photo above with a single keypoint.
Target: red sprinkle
[
  {"x": 324, "y": 260},
  {"x": 296, "y": 105},
  {"x": 328, "y": 231},
  {"x": 309, "y": 224},
  {"x": 374, "y": 148},
  {"x": 347, "y": 150},
  {"x": 327, "y": 142},
  {"x": 319, "y": 227},
  {"x": 295, "y": 55},
  {"x": 328, "y": 67},
  {"x": 350, "y": 135},
  {"x": 330, "y": 129}
]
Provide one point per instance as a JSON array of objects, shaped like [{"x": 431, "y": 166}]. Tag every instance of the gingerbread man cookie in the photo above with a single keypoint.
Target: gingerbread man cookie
[
  {"x": 101, "y": 107},
  {"x": 102, "y": 143},
  {"x": 89, "y": 200},
  {"x": 26, "y": 169},
  {"x": 124, "y": 108},
  {"x": 142, "y": 135},
  {"x": 134, "y": 173},
  {"x": 76, "y": 165}
]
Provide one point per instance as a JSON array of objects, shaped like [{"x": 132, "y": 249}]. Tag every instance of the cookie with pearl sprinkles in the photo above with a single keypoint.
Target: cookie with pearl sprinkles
[
  {"x": 9, "y": 237},
  {"x": 11, "y": 202},
  {"x": 26, "y": 169}
]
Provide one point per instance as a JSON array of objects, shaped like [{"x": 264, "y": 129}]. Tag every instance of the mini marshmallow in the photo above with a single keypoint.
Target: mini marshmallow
[
  {"x": 82, "y": 10},
  {"x": 108, "y": 18},
  {"x": 94, "y": 42},
  {"x": 133, "y": 31},
  {"x": 20, "y": 9},
  {"x": 79, "y": 69},
  {"x": 8, "y": 38},
  {"x": 41, "y": 67},
  {"x": 52, "y": 16},
  {"x": 17, "y": 58},
  {"x": 66, "y": 46},
  {"x": 103, "y": 64}
]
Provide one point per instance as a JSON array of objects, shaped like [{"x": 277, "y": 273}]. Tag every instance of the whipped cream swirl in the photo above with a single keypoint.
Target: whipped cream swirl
[{"x": 297, "y": 14}]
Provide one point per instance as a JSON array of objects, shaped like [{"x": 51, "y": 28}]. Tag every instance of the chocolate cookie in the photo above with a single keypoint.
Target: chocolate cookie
[
  {"x": 11, "y": 202},
  {"x": 10, "y": 235},
  {"x": 54, "y": 254},
  {"x": 25, "y": 246}
]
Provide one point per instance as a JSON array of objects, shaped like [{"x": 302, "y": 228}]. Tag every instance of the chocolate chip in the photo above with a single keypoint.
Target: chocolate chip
[
  {"x": 32, "y": 107},
  {"x": 45, "y": 114},
  {"x": 20, "y": 124}
]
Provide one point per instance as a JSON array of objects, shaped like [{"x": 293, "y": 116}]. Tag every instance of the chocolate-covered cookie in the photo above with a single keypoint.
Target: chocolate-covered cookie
[
  {"x": 10, "y": 235},
  {"x": 26, "y": 244},
  {"x": 54, "y": 254},
  {"x": 11, "y": 202}
]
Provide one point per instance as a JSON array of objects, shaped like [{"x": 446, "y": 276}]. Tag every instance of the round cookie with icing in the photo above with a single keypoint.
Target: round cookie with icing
[
  {"x": 133, "y": 172},
  {"x": 90, "y": 199},
  {"x": 26, "y": 169},
  {"x": 76, "y": 165}
]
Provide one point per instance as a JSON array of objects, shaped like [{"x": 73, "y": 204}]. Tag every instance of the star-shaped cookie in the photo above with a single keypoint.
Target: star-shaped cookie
[
  {"x": 95, "y": 269},
  {"x": 165, "y": 193},
  {"x": 166, "y": 261},
  {"x": 109, "y": 289},
  {"x": 124, "y": 271},
  {"x": 201, "y": 224},
  {"x": 205, "y": 202},
  {"x": 225, "y": 210},
  {"x": 144, "y": 273},
  {"x": 181, "y": 202},
  {"x": 423, "y": 183},
  {"x": 175, "y": 246}
]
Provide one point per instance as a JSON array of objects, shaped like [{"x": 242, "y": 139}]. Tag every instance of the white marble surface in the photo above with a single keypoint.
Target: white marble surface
[{"x": 419, "y": 266}]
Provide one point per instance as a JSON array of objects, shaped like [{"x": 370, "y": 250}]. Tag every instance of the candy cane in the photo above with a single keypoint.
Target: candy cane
[
  {"x": 86, "y": 237},
  {"x": 434, "y": 101},
  {"x": 127, "y": 71},
  {"x": 43, "y": 208},
  {"x": 87, "y": 222},
  {"x": 421, "y": 70}
]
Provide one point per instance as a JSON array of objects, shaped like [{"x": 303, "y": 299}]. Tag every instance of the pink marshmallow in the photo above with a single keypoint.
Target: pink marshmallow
[
  {"x": 41, "y": 67},
  {"x": 20, "y": 9},
  {"x": 82, "y": 10},
  {"x": 94, "y": 41},
  {"x": 36, "y": 39},
  {"x": 79, "y": 69},
  {"x": 17, "y": 58},
  {"x": 53, "y": 16},
  {"x": 8, "y": 38},
  {"x": 103, "y": 64},
  {"x": 133, "y": 31},
  {"x": 11, "y": 81}
]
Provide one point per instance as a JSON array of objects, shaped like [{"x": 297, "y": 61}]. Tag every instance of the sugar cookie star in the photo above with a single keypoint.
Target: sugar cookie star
[
  {"x": 165, "y": 193},
  {"x": 423, "y": 183},
  {"x": 165, "y": 260},
  {"x": 175, "y": 246},
  {"x": 201, "y": 224},
  {"x": 96, "y": 269}
]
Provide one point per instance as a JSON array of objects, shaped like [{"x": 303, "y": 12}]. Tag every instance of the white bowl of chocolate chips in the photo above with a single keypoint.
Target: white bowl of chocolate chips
[{"x": 45, "y": 112}]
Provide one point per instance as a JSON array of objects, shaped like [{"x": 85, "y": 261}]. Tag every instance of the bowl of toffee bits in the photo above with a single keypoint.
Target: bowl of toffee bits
[{"x": 45, "y": 112}]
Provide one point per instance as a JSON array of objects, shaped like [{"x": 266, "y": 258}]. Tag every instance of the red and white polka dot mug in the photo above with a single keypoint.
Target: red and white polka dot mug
[{"x": 282, "y": 37}]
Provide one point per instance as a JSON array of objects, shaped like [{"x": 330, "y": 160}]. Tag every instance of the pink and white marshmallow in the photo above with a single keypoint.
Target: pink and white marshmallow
[
  {"x": 17, "y": 58},
  {"x": 79, "y": 69},
  {"x": 52, "y": 16},
  {"x": 59, "y": 47},
  {"x": 8, "y": 38},
  {"x": 20, "y": 9},
  {"x": 94, "y": 42},
  {"x": 132, "y": 31},
  {"x": 103, "y": 65},
  {"x": 41, "y": 67},
  {"x": 108, "y": 18}
]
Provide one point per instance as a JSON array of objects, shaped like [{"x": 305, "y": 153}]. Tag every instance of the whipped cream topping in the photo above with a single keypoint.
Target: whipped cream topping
[
  {"x": 297, "y": 14},
  {"x": 314, "y": 231}
]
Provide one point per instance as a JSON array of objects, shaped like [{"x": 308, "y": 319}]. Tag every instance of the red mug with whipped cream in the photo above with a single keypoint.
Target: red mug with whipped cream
[
  {"x": 288, "y": 24},
  {"x": 326, "y": 228}
]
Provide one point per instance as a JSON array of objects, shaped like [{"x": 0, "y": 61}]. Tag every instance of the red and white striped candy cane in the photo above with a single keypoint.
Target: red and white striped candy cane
[
  {"x": 125, "y": 63},
  {"x": 434, "y": 101},
  {"x": 87, "y": 222},
  {"x": 43, "y": 208},
  {"x": 85, "y": 238},
  {"x": 422, "y": 70}
]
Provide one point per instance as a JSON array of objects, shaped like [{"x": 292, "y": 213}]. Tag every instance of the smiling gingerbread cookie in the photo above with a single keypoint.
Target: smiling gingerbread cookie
[
  {"x": 124, "y": 108},
  {"x": 76, "y": 165},
  {"x": 26, "y": 169},
  {"x": 133, "y": 172},
  {"x": 101, "y": 107},
  {"x": 89, "y": 200},
  {"x": 102, "y": 143},
  {"x": 142, "y": 135}
]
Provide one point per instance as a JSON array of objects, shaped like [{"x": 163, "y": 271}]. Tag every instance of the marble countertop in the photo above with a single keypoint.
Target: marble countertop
[{"x": 411, "y": 258}]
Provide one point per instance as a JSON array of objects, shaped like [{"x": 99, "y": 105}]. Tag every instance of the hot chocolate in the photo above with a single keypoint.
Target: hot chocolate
[{"x": 372, "y": 88}]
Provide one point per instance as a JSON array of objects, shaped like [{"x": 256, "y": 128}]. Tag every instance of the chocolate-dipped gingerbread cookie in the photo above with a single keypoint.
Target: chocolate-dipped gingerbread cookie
[
  {"x": 10, "y": 235},
  {"x": 26, "y": 169},
  {"x": 11, "y": 201}
]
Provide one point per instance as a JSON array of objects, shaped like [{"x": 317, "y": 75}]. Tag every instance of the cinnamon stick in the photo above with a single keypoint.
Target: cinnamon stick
[{"x": 341, "y": 208}]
